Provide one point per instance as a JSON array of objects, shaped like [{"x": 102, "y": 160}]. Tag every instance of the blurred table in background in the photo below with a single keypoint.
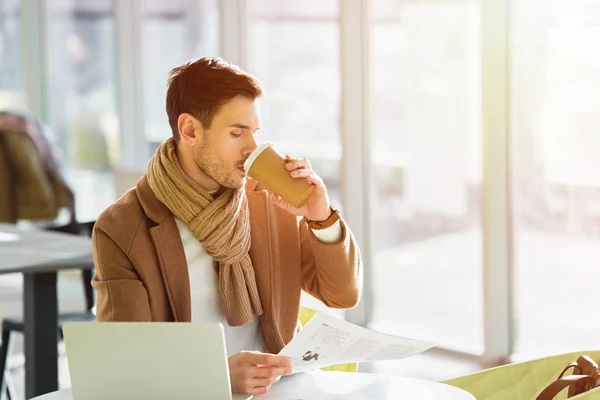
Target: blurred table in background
[{"x": 39, "y": 255}]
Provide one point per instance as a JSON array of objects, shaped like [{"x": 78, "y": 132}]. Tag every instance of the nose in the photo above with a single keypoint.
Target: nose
[{"x": 250, "y": 146}]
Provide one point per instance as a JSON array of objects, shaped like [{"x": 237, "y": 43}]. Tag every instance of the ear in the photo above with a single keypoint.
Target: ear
[{"x": 190, "y": 129}]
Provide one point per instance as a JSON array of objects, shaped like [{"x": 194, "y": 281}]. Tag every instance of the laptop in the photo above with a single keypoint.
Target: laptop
[{"x": 148, "y": 360}]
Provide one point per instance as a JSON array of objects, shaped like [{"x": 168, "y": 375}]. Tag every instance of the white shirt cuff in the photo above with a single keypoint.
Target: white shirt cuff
[{"x": 332, "y": 234}]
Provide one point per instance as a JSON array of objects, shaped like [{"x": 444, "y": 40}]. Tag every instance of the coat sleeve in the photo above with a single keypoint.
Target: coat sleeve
[
  {"x": 121, "y": 294},
  {"x": 331, "y": 272}
]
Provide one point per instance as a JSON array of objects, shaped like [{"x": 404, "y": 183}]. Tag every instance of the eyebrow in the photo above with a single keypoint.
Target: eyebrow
[{"x": 242, "y": 126}]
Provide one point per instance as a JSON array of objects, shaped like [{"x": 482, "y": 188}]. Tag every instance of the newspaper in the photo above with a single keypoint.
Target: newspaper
[{"x": 326, "y": 340}]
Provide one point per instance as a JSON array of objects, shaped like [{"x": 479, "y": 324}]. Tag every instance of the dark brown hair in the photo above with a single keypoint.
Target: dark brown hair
[{"x": 202, "y": 86}]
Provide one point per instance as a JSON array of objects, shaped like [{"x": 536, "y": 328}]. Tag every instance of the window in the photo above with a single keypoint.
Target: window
[
  {"x": 11, "y": 68},
  {"x": 82, "y": 81},
  {"x": 555, "y": 127},
  {"x": 426, "y": 164},
  {"x": 173, "y": 32},
  {"x": 293, "y": 48}
]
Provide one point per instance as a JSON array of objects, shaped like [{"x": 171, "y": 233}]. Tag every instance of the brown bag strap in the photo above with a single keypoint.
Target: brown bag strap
[
  {"x": 576, "y": 369},
  {"x": 560, "y": 384}
]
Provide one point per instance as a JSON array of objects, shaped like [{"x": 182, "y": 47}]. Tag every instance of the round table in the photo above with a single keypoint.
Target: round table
[{"x": 317, "y": 385}]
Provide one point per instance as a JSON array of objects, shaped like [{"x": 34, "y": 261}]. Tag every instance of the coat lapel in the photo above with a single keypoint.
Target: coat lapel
[
  {"x": 169, "y": 251},
  {"x": 174, "y": 268}
]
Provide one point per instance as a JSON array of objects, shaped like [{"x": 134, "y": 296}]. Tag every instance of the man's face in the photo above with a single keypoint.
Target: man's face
[{"x": 228, "y": 142}]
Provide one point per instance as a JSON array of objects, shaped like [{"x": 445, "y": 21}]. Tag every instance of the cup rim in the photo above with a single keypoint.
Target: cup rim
[{"x": 254, "y": 155}]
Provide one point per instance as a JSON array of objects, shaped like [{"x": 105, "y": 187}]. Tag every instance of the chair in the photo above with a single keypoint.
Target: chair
[
  {"x": 16, "y": 324},
  {"x": 521, "y": 381},
  {"x": 305, "y": 315}
]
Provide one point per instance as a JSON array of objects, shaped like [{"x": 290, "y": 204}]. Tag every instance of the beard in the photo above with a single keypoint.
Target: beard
[{"x": 216, "y": 168}]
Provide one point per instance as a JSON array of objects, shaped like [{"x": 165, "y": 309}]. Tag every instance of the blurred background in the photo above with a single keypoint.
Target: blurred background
[{"x": 460, "y": 138}]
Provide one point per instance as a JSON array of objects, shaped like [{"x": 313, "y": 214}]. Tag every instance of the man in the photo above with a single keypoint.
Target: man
[{"x": 197, "y": 241}]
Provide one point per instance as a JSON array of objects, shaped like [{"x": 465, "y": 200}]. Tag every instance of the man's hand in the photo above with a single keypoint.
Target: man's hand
[
  {"x": 254, "y": 373},
  {"x": 317, "y": 208}
]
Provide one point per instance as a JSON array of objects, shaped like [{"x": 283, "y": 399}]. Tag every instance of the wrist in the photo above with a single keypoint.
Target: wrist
[
  {"x": 333, "y": 217},
  {"x": 323, "y": 216}
]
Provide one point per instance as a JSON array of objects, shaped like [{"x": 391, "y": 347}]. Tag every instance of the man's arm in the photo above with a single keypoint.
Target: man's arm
[
  {"x": 121, "y": 294},
  {"x": 331, "y": 272}
]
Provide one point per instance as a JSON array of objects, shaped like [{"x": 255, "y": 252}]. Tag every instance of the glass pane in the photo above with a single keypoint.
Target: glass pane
[
  {"x": 85, "y": 6},
  {"x": 290, "y": 9},
  {"x": 164, "y": 7},
  {"x": 12, "y": 96},
  {"x": 83, "y": 82},
  {"x": 426, "y": 155},
  {"x": 387, "y": 10},
  {"x": 556, "y": 183},
  {"x": 170, "y": 39},
  {"x": 298, "y": 62}
]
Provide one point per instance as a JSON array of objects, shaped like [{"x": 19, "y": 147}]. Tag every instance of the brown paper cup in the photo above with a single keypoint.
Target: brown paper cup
[{"x": 267, "y": 166}]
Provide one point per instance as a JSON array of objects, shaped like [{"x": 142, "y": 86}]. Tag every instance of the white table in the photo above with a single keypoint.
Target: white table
[
  {"x": 39, "y": 255},
  {"x": 319, "y": 385}
]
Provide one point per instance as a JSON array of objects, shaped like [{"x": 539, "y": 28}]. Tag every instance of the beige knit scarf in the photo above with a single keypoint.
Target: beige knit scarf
[{"x": 221, "y": 225}]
